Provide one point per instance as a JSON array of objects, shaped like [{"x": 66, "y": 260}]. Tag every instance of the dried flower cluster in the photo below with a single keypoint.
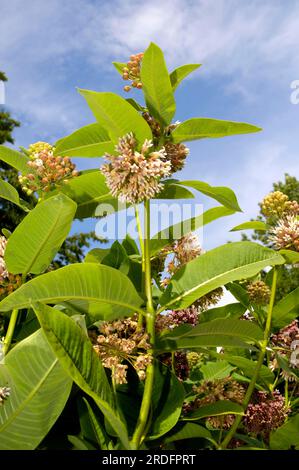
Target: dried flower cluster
[
  {"x": 4, "y": 394},
  {"x": 259, "y": 293},
  {"x": 122, "y": 341},
  {"x": 277, "y": 204},
  {"x": 45, "y": 171},
  {"x": 134, "y": 176},
  {"x": 286, "y": 233},
  {"x": 212, "y": 391},
  {"x": 8, "y": 282},
  {"x": 265, "y": 413},
  {"x": 132, "y": 71}
]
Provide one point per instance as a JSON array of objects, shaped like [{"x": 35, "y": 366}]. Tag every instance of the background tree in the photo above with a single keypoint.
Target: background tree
[
  {"x": 289, "y": 275},
  {"x": 73, "y": 248}
]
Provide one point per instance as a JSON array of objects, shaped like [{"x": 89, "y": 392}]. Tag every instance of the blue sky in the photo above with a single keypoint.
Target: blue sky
[{"x": 249, "y": 52}]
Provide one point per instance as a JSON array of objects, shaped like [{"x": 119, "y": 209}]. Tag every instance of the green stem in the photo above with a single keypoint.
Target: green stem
[
  {"x": 10, "y": 330},
  {"x": 140, "y": 235},
  {"x": 150, "y": 326},
  {"x": 259, "y": 364}
]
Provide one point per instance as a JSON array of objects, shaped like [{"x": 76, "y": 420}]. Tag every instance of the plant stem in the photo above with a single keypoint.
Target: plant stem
[
  {"x": 10, "y": 330},
  {"x": 259, "y": 364},
  {"x": 150, "y": 326},
  {"x": 140, "y": 234}
]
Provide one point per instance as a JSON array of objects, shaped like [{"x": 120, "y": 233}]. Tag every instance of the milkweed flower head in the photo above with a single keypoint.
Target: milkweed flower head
[
  {"x": 3, "y": 270},
  {"x": 4, "y": 394},
  {"x": 259, "y": 292},
  {"x": 45, "y": 171},
  {"x": 132, "y": 70},
  {"x": 276, "y": 204},
  {"x": 285, "y": 234},
  {"x": 8, "y": 282},
  {"x": 134, "y": 176}
]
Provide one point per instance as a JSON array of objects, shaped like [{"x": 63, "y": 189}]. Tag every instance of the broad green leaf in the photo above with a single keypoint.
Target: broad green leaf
[
  {"x": 174, "y": 191},
  {"x": 219, "y": 408},
  {"x": 96, "y": 255},
  {"x": 290, "y": 256},
  {"x": 286, "y": 309},
  {"x": 216, "y": 370},
  {"x": 79, "y": 443},
  {"x": 36, "y": 240},
  {"x": 234, "y": 310},
  {"x": 15, "y": 159},
  {"x": 117, "y": 116},
  {"x": 39, "y": 390},
  {"x": 156, "y": 85},
  {"x": 248, "y": 366},
  {"x": 227, "y": 263},
  {"x": 239, "y": 293},
  {"x": 88, "y": 191},
  {"x": 102, "y": 292},
  {"x": 251, "y": 225},
  {"x": 8, "y": 192},
  {"x": 79, "y": 359},
  {"x": 167, "y": 398},
  {"x": 190, "y": 431},
  {"x": 180, "y": 73},
  {"x": 224, "y": 195},
  {"x": 286, "y": 436},
  {"x": 89, "y": 141},
  {"x": 169, "y": 234},
  {"x": 117, "y": 258},
  {"x": 200, "y": 128}
]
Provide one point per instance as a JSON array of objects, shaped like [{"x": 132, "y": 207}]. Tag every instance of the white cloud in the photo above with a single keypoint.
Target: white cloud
[{"x": 244, "y": 40}]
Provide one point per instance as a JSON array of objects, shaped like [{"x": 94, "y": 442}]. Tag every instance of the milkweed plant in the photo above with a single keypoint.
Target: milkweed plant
[{"x": 131, "y": 343}]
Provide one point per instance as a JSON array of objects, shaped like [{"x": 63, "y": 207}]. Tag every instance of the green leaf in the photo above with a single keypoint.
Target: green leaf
[
  {"x": 36, "y": 240},
  {"x": 117, "y": 116},
  {"x": 200, "y": 128},
  {"x": 77, "y": 356},
  {"x": 248, "y": 366},
  {"x": 230, "y": 262},
  {"x": 117, "y": 258},
  {"x": 119, "y": 66},
  {"x": 219, "y": 408},
  {"x": 286, "y": 436},
  {"x": 290, "y": 256},
  {"x": 156, "y": 85},
  {"x": 39, "y": 390},
  {"x": 89, "y": 141},
  {"x": 226, "y": 311},
  {"x": 8, "y": 192},
  {"x": 88, "y": 191},
  {"x": 169, "y": 234},
  {"x": 79, "y": 443},
  {"x": 251, "y": 225},
  {"x": 180, "y": 73},
  {"x": 15, "y": 159},
  {"x": 216, "y": 370},
  {"x": 174, "y": 191},
  {"x": 239, "y": 293},
  {"x": 286, "y": 309},
  {"x": 167, "y": 398},
  {"x": 224, "y": 195},
  {"x": 96, "y": 255},
  {"x": 98, "y": 432},
  {"x": 102, "y": 292},
  {"x": 189, "y": 431}
]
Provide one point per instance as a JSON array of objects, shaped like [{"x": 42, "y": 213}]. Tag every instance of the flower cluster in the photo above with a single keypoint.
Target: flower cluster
[
  {"x": 4, "y": 394},
  {"x": 45, "y": 171},
  {"x": 175, "y": 318},
  {"x": 286, "y": 233},
  {"x": 132, "y": 71},
  {"x": 8, "y": 282},
  {"x": 178, "y": 362},
  {"x": 259, "y": 292},
  {"x": 287, "y": 340},
  {"x": 212, "y": 391},
  {"x": 122, "y": 341},
  {"x": 134, "y": 176},
  {"x": 265, "y": 413},
  {"x": 277, "y": 204}
]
